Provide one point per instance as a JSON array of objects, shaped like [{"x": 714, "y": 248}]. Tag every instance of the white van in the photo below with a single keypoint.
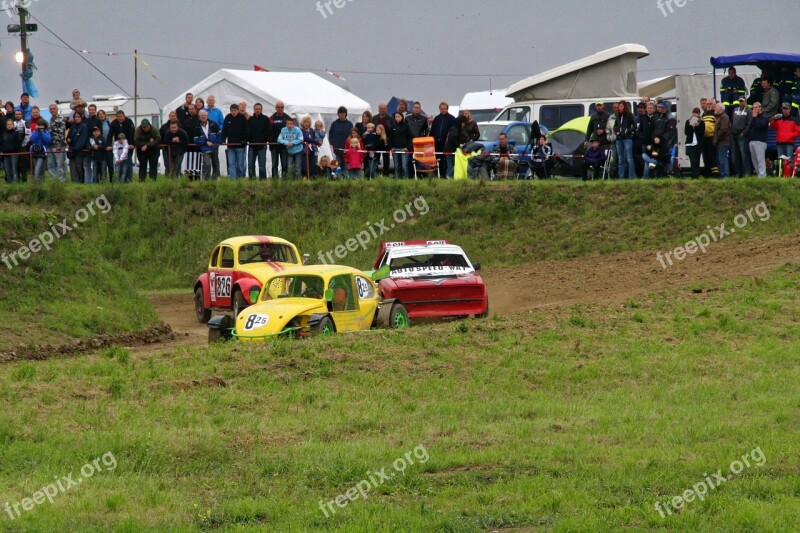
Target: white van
[
  {"x": 553, "y": 114},
  {"x": 146, "y": 108}
]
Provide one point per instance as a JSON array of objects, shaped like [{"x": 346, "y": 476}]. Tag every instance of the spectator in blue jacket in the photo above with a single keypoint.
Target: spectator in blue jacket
[
  {"x": 338, "y": 133},
  {"x": 291, "y": 137},
  {"x": 39, "y": 145}
]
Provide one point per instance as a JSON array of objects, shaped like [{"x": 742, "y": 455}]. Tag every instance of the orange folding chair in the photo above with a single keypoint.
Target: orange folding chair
[
  {"x": 425, "y": 161},
  {"x": 796, "y": 161}
]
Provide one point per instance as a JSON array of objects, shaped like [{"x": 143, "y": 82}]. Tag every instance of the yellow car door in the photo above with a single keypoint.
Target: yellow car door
[{"x": 346, "y": 311}]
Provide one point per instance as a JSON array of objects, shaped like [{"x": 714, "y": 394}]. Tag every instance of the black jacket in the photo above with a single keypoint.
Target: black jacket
[
  {"x": 399, "y": 136},
  {"x": 698, "y": 130},
  {"x": 278, "y": 123},
  {"x": 11, "y": 141},
  {"x": 235, "y": 130},
  {"x": 417, "y": 125},
  {"x": 177, "y": 147},
  {"x": 116, "y": 128},
  {"x": 598, "y": 121},
  {"x": 260, "y": 129}
]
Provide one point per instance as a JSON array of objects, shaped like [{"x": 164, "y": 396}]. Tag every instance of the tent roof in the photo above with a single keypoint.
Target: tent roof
[
  {"x": 755, "y": 58},
  {"x": 305, "y": 89},
  {"x": 610, "y": 72},
  {"x": 486, "y": 100}
]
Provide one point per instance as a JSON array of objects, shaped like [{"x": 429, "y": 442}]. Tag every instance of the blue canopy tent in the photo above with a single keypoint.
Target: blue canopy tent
[
  {"x": 758, "y": 59},
  {"x": 391, "y": 105}
]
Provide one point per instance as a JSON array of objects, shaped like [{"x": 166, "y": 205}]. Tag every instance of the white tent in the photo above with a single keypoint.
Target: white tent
[{"x": 303, "y": 93}]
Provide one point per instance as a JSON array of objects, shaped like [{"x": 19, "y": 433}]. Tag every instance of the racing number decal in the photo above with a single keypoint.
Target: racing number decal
[
  {"x": 364, "y": 288},
  {"x": 223, "y": 286},
  {"x": 255, "y": 321}
]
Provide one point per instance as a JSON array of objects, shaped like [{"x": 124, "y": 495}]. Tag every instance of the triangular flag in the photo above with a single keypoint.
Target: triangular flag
[{"x": 259, "y": 69}]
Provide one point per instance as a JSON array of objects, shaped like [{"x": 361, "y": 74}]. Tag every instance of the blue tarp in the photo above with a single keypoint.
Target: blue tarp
[
  {"x": 755, "y": 58},
  {"x": 391, "y": 105}
]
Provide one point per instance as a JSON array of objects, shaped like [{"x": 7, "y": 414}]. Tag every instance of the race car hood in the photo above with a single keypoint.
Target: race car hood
[{"x": 272, "y": 316}]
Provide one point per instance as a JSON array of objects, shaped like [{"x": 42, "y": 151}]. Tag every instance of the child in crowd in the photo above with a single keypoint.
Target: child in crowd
[
  {"x": 335, "y": 171},
  {"x": 120, "y": 151},
  {"x": 370, "y": 145},
  {"x": 319, "y": 131},
  {"x": 381, "y": 145},
  {"x": 354, "y": 157},
  {"x": 323, "y": 167}
]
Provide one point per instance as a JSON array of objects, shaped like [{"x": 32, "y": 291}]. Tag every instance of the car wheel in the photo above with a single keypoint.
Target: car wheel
[
  {"x": 486, "y": 311},
  {"x": 214, "y": 335},
  {"x": 398, "y": 318},
  {"x": 324, "y": 327},
  {"x": 239, "y": 303},
  {"x": 203, "y": 314}
]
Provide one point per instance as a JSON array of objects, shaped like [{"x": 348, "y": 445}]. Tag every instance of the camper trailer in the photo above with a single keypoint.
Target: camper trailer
[
  {"x": 143, "y": 108},
  {"x": 559, "y": 95}
]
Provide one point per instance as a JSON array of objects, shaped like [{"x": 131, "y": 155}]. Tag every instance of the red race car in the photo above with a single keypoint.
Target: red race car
[
  {"x": 238, "y": 265},
  {"x": 431, "y": 279}
]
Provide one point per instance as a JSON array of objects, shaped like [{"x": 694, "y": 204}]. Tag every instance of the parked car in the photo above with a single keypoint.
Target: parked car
[
  {"x": 235, "y": 267},
  {"x": 518, "y": 133}
]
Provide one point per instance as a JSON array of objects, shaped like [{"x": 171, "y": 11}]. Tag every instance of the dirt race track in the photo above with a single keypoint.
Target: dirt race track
[{"x": 556, "y": 284}]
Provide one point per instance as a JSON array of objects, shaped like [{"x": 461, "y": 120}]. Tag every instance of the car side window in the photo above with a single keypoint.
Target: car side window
[
  {"x": 227, "y": 257},
  {"x": 343, "y": 293},
  {"x": 518, "y": 134},
  {"x": 365, "y": 288},
  {"x": 215, "y": 257}
]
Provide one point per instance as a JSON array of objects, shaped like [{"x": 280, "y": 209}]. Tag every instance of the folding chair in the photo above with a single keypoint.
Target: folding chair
[
  {"x": 796, "y": 161},
  {"x": 609, "y": 164},
  {"x": 424, "y": 160}
]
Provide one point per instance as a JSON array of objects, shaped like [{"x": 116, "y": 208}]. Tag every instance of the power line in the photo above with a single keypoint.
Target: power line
[{"x": 80, "y": 55}]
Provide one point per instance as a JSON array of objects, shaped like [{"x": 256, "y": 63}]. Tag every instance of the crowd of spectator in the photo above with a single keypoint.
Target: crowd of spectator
[{"x": 89, "y": 147}]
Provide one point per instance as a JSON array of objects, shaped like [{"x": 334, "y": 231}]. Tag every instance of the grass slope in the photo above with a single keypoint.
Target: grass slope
[
  {"x": 574, "y": 422},
  {"x": 163, "y": 232}
]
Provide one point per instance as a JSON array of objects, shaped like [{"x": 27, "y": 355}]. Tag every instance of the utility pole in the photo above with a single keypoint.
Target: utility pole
[{"x": 23, "y": 39}]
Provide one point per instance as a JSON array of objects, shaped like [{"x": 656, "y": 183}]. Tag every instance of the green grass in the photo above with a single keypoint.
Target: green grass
[
  {"x": 576, "y": 420},
  {"x": 162, "y": 233}
]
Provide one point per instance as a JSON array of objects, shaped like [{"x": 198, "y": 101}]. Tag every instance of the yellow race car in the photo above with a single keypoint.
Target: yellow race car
[{"x": 311, "y": 300}]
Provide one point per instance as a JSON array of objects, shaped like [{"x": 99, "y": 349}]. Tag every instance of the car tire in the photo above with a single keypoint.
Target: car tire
[
  {"x": 203, "y": 314},
  {"x": 486, "y": 311},
  {"x": 324, "y": 327},
  {"x": 398, "y": 318},
  {"x": 239, "y": 303}
]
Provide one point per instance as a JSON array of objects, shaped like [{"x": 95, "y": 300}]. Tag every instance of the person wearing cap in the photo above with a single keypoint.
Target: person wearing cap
[
  {"x": 24, "y": 106},
  {"x": 97, "y": 154},
  {"x": 39, "y": 145},
  {"x": 594, "y": 158},
  {"x": 786, "y": 130},
  {"x": 120, "y": 150},
  {"x": 146, "y": 140},
  {"x": 731, "y": 88},
  {"x": 740, "y": 146},
  {"x": 76, "y": 100},
  {"x": 56, "y": 156},
  {"x": 597, "y": 124}
]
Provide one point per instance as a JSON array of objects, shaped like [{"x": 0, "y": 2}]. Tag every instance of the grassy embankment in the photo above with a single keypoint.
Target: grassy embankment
[{"x": 157, "y": 236}]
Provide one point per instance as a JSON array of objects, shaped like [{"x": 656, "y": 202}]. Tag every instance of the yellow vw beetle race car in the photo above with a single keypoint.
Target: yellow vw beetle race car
[{"x": 311, "y": 300}]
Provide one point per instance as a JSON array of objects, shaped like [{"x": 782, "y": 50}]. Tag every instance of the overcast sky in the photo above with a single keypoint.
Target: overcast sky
[{"x": 419, "y": 49}]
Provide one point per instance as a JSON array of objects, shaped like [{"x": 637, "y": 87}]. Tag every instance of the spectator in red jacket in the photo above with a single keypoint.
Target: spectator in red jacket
[{"x": 787, "y": 130}]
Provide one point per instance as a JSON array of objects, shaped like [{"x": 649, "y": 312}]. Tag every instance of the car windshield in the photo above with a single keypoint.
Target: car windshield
[
  {"x": 430, "y": 264},
  {"x": 489, "y": 132},
  {"x": 295, "y": 287},
  {"x": 258, "y": 252}
]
